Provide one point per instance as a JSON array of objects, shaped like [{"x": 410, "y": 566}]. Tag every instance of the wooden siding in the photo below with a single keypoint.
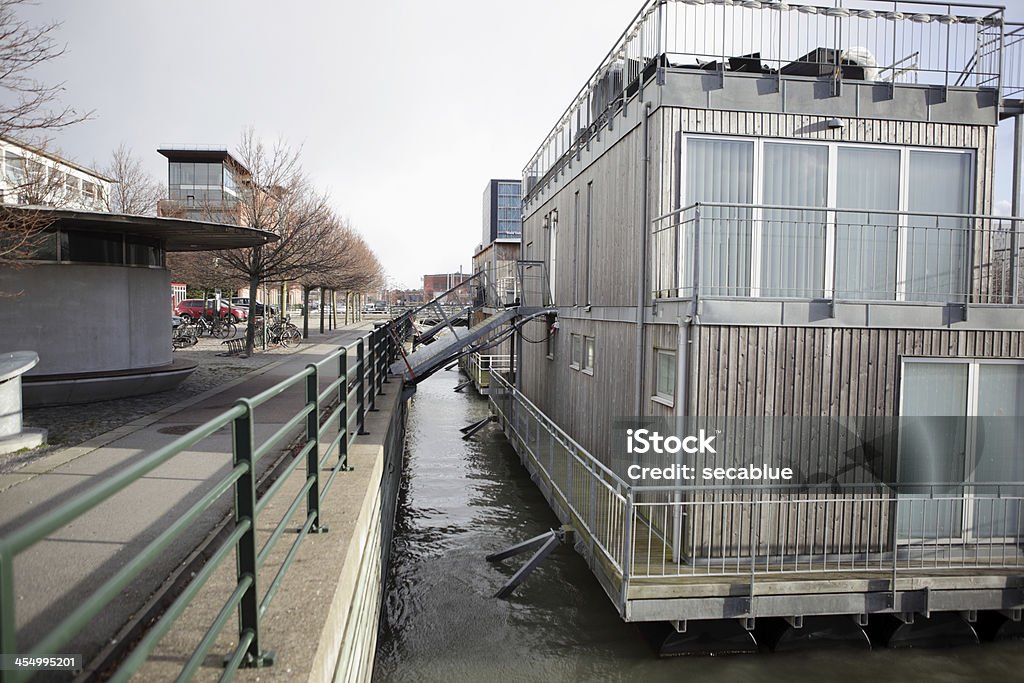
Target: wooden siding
[
  {"x": 822, "y": 371},
  {"x": 615, "y": 228},
  {"x": 584, "y": 405}
]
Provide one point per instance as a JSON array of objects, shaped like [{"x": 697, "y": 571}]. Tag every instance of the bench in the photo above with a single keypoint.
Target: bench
[{"x": 235, "y": 346}]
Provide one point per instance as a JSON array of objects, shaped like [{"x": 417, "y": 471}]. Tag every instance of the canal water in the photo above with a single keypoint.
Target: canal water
[{"x": 461, "y": 500}]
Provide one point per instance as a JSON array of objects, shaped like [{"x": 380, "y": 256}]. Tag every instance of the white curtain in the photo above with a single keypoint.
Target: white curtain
[
  {"x": 937, "y": 249},
  {"x": 866, "y": 243},
  {"x": 720, "y": 171},
  {"x": 793, "y": 241}
]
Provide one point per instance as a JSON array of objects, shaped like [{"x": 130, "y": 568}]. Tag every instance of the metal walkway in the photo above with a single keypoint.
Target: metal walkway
[{"x": 446, "y": 348}]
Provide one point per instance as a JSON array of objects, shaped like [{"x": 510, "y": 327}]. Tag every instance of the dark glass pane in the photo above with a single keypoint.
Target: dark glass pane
[
  {"x": 92, "y": 247},
  {"x": 143, "y": 252}
]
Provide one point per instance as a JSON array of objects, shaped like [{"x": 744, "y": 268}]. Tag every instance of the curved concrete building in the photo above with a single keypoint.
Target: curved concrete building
[{"x": 93, "y": 301}]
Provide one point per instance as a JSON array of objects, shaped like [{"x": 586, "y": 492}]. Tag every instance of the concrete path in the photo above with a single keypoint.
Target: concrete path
[{"x": 52, "y": 577}]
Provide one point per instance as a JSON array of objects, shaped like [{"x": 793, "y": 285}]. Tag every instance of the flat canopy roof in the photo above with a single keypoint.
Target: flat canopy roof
[{"x": 177, "y": 234}]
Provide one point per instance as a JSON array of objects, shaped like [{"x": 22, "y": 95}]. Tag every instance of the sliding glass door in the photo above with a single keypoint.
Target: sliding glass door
[
  {"x": 932, "y": 450},
  {"x": 961, "y": 421}
]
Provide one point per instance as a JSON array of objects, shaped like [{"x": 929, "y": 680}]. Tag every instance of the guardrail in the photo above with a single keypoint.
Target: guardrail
[
  {"x": 362, "y": 368},
  {"x": 751, "y": 251},
  {"x": 756, "y": 529},
  {"x": 659, "y": 532}
]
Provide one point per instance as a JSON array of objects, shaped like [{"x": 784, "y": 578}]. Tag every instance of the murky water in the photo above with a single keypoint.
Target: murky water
[{"x": 464, "y": 499}]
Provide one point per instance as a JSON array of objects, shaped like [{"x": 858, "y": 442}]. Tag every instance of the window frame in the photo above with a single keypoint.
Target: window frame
[
  {"x": 576, "y": 351},
  {"x": 901, "y": 285},
  {"x": 588, "y": 360},
  {"x": 657, "y": 395},
  {"x": 970, "y": 438}
]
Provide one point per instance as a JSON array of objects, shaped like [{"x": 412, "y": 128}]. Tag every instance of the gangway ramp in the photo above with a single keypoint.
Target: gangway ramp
[{"x": 428, "y": 359}]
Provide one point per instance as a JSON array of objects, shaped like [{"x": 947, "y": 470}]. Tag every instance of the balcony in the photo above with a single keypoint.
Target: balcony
[{"x": 757, "y": 252}]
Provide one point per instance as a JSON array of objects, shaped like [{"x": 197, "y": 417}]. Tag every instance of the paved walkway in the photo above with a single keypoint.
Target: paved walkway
[{"x": 51, "y": 577}]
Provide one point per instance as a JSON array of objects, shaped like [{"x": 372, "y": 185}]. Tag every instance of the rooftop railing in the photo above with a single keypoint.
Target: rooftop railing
[
  {"x": 786, "y": 252},
  {"x": 927, "y": 43}
]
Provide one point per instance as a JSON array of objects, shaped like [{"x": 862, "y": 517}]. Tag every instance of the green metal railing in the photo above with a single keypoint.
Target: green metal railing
[{"x": 349, "y": 397}]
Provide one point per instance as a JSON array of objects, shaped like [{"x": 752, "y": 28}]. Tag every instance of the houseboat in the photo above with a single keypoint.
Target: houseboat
[{"x": 772, "y": 224}]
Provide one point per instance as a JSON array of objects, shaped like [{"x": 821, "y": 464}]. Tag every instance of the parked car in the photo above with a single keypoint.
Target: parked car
[
  {"x": 243, "y": 302},
  {"x": 192, "y": 309}
]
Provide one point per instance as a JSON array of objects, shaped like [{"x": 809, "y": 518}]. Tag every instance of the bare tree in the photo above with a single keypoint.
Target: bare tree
[
  {"x": 135, "y": 191},
  {"x": 354, "y": 267},
  {"x": 28, "y": 107},
  {"x": 29, "y": 110},
  {"x": 277, "y": 197}
]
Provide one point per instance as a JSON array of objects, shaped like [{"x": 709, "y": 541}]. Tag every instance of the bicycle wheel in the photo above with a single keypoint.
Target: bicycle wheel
[
  {"x": 230, "y": 331},
  {"x": 290, "y": 338}
]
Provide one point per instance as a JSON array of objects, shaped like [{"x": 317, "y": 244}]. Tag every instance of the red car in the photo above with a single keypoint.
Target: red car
[{"x": 192, "y": 309}]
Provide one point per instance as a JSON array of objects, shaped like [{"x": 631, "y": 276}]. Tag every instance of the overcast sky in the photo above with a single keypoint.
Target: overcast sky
[{"x": 403, "y": 109}]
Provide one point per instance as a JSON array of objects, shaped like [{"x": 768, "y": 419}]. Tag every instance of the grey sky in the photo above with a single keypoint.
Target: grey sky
[{"x": 403, "y": 109}]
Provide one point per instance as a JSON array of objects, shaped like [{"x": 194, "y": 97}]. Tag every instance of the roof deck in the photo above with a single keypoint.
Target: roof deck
[{"x": 940, "y": 54}]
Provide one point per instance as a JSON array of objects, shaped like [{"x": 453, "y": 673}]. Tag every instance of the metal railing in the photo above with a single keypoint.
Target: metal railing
[
  {"x": 752, "y": 251},
  {"x": 652, "y": 532},
  {"x": 586, "y": 488},
  {"x": 758, "y": 529},
  {"x": 929, "y": 43},
  {"x": 361, "y": 370}
]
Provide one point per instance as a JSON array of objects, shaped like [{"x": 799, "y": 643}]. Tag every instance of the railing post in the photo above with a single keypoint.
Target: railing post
[
  {"x": 627, "y": 550},
  {"x": 696, "y": 258},
  {"x": 361, "y": 371},
  {"x": 313, "y": 455},
  {"x": 343, "y": 409},
  {"x": 372, "y": 365},
  {"x": 385, "y": 356},
  {"x": 8, "y": 642},
  {"x": 245, "y": 551},
  {"x": 1014, "y": 263}
]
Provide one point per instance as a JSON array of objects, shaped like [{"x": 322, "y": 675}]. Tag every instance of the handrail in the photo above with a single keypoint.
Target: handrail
[
  {"x": 375, "y": 351},
  {"x": 837, "y": 209}
]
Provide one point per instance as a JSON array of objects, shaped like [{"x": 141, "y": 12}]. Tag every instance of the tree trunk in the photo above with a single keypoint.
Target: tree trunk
[
  {"x": 322, "y": 301},
  {"x": 250, "y": 320},
  {"x": 305, "y": 312}
]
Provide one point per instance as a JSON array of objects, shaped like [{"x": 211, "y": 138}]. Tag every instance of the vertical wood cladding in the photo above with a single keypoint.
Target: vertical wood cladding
[{"x": 822, "y": 371}]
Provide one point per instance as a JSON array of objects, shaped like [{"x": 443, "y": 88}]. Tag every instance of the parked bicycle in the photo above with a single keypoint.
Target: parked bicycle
[
  {"x": 279, "y": 331},
  {"x": 221, "y": 328},
  {"x": 184, "y": 335}
]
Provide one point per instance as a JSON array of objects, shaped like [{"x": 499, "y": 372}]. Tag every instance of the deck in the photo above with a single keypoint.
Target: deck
[{"x": 816, "y": 575}]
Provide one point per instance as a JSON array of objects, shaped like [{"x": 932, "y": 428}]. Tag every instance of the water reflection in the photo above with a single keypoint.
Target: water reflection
[{"x": 464, "y": 499}]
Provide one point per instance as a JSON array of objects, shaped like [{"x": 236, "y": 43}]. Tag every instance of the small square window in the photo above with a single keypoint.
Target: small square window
[
  {"x": 588, "y": 355},
  {"x": 664, "y": 376},
  {"x": 576, "y": 361}
]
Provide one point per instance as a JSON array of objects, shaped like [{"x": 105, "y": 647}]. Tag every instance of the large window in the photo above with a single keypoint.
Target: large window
[
  {"x": 961, "y": 440},
  {"x": 828, "y": 220}
]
